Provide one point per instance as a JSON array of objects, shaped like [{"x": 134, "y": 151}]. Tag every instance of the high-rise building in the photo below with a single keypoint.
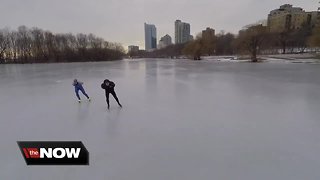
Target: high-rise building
[
  {"x": 288, "y": 17},
  {"x": 165, "y": 41},
  {"x": 181, "y": 32},
  {"x": 208, "y": 33},
  {"x": 133, "y": 48},
  {"x": 150, "y": 34}
]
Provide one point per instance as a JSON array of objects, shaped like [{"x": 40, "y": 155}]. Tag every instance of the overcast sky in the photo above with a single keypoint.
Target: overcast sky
[{"x": 122, "y": 20}]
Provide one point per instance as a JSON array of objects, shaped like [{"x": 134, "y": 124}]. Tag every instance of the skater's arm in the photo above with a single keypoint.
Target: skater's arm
[
  {"x": 103, "y": 86},
  {"x": 112, "y": 85}
]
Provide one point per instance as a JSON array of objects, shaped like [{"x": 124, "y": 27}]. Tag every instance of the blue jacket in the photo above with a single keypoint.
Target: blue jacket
[{"x": 77, "y": 85}]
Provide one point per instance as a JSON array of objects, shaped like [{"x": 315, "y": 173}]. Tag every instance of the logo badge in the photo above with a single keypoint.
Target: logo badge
[{"x": 54, "y": 152}]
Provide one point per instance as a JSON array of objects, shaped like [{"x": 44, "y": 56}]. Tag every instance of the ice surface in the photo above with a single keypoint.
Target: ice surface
[{"x": 181, "y": 120}]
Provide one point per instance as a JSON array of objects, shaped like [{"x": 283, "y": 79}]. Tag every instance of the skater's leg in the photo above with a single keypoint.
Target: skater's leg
[
  {"x": 116, "y": 98},
  {"x": 107, "y": 99},
  {"x": 77, "y": 94},
  {"x": 84, "y": 92}
]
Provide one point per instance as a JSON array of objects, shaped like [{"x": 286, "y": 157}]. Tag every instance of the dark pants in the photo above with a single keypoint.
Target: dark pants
[
  {"x": 114, "y": 95},
  {"x": 83, "y": 92}
]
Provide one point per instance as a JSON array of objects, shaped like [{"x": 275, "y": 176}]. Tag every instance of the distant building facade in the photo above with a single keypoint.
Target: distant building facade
[
  {"x": 208, "y": 33},
  {"x": 133, "y": 48},
  {"x": 150, "y": 33},
  {"x": 182, "y": 32},
  {"x": 165, "y": 41},
  {"x": 288, "y": 17}
]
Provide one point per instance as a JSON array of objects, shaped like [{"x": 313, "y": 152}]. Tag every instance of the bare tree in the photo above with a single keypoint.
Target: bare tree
[
  {"x": 14, "y": 49},
  {"x": 36, "y": 45},
  {"x": 4, "y": 44},
  {"x": 224, "y": 44},
  {"x": 251, "y": 40},
  {"x": 209, "y": 43},
  {"x": 194, "y": 49}
]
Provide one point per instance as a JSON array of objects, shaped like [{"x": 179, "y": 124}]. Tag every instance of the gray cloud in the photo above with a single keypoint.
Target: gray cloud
[{"x": 122, "y": 20}]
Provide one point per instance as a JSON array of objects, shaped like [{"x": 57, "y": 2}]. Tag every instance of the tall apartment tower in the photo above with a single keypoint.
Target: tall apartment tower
[
  {"x": 165, "y": 41},
  {"x": 208, "y": 33},
  {"x": 288, "y": 17},
  {"x": 150, "y": 34},
  {"x": 181, "y": 32}
]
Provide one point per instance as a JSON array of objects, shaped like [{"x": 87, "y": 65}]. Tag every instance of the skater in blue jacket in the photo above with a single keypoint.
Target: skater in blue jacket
[{"x": 78, "y": 87}]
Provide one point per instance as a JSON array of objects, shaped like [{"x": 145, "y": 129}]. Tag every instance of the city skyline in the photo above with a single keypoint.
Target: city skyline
[{"x": 121, "y": 21}]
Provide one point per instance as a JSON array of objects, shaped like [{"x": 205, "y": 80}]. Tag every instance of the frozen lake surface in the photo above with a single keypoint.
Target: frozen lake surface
[{"x": 181, "y": 120}]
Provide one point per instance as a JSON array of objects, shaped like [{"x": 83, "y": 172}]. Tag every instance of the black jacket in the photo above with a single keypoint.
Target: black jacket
[{"x": 108, "y": 88}]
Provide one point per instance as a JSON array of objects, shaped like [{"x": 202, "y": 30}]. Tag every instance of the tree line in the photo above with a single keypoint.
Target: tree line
[
  {"x": 251, "y": 40},
  {"x": 34, "y": 45},
  {"x": 257, "y": 39}
]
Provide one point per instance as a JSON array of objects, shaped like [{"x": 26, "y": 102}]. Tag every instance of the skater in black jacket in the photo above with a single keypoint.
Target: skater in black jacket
[{"x": 108, "y": 86}]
